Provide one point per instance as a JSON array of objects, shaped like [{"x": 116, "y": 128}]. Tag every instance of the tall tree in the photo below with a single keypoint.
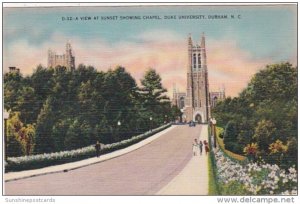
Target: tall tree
[
  {"x": 119, "y": 91},
  {"x": 153, "y": 96},
  {"x": 45, "y": 123}
]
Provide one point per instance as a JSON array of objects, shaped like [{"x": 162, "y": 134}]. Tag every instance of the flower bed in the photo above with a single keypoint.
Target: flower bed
[
  {"x": 253, "y": 179},
  {"x": 49, "y": 159}
]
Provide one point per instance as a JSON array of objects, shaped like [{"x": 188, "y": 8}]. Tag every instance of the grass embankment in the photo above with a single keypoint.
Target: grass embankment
[
  {"x": 212, "y": 172},
  {"x": 212, "y": 183},
  {"x": 227, "y": 152}
]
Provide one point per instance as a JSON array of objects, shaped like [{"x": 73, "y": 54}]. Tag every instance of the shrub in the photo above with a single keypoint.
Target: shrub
[
  {"x": 230, "y": 135},
  {"x": 264, "y": 134}
]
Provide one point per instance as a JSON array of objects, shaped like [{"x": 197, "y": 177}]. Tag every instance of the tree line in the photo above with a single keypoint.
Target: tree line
[
  {"x": 262, "y": 121},
  {"x": 55, "y": 109}
]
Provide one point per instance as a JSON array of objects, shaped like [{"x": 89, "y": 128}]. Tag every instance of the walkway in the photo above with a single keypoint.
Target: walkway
[{"x": 193, "y": 179}]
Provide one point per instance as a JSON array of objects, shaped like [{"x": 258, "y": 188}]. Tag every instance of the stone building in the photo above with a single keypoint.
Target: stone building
[
  {"x": 14, "y": 70},
  {"x": 197, "y": 105},
  {"x": 216, "y": 96},
  {"x": 178, "y": 99},
  {"x": 67, "y": 60},
  {"x": 197, "y": 101}
]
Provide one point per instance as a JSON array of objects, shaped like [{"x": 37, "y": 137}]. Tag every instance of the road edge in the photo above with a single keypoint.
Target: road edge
[{"x": 13, "y": 176}]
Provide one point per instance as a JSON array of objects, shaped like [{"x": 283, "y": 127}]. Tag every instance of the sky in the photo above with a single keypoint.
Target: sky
[{"x": 236, "y": 47}]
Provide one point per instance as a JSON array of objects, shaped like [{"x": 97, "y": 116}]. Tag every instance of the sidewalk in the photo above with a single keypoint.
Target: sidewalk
[
  {"x": 193, "y": 179},
  {"x": 75, "y": 165}
]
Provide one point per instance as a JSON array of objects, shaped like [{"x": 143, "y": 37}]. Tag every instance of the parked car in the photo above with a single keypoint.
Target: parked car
[{"x": 192, "y": 124}]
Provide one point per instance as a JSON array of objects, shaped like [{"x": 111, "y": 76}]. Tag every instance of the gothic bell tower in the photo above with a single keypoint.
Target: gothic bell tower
[{"x": 197, "y": 102}]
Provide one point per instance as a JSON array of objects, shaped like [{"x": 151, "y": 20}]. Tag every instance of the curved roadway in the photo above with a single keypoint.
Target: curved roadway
[{"x": 141, "y": 172}]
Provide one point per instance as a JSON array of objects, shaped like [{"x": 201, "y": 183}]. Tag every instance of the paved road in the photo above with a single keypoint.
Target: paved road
[{"x": 141, "y": 172}]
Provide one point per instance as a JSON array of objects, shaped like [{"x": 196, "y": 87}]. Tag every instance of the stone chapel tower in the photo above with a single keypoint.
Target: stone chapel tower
[
  {"x": 67, "y": 59},
  {"x": 197, "y": 104}
]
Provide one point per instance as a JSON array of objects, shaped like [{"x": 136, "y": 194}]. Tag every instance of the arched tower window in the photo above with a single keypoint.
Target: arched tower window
[
  {"x": 181, "y": 102},
  {"x": 215, "y": 100},
  {"x": 194, "y": 60},
  {"x": 199, "y": 61}
]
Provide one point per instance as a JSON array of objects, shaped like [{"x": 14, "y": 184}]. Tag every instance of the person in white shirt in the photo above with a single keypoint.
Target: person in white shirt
[{"x": 195, "y": 147}]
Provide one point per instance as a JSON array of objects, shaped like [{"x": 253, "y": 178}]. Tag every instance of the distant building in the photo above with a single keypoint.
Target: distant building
[
  {"x": 178, "y": 99},
  {"x": 216, "y": 96},
  {"x": 14, "y": 70},
  {"x": 197, "y": 102},
  {"x": 67, "y": 60}
]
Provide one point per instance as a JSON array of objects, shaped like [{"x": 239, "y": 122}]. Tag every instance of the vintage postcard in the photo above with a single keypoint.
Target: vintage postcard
[{"x": 150, "y": 99}]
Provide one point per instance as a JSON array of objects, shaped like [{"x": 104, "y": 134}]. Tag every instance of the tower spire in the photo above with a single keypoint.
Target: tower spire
[
  {"x": 190, "y": 42},
  {"x": 174, "y": 88},
  {"x": 202, "y": 40}
]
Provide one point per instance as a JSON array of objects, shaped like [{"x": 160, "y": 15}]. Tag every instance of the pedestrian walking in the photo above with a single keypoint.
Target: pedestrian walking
[
  {"x": 200, "y": 147},
  {"x": 195, "y": 147},
  {"x": 98, "y": 148},
  {"x": 206, "y": 148}
]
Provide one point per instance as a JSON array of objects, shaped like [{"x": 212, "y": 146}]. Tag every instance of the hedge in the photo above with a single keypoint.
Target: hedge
[
  {"x": 49, "y": 159},
  {"x": 233, "y": 156}
]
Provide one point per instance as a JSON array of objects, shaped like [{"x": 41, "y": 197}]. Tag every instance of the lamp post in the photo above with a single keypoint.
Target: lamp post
[
  {"x": 150, "y": 123},
  {"x": 211, "y": 126},
  {"x": 5, "y": 116},
  {"x": 214, "y": 122},
  {"x": 119, "y": 125},
  {"x": 118, "y": 129}
]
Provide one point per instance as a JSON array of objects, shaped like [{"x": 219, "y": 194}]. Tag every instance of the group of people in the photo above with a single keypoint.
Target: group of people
[{"x": 198, "y": 147}]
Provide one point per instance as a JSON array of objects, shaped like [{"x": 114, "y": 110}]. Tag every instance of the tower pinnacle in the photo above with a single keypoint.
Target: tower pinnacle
[
  {"x": 203, "y": 40},
  {"x": 190, "y": 42}
]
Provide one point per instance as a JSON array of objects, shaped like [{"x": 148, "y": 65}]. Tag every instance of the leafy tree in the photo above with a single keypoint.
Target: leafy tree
[
  {"x": 264, "y": 134},
  {"x": 265, "y": 111},
  {"x": 59, "y": 132},
  {"x": 75, "y": 137},
  {"x": 230, "y": 136},
  {"x": 12, "y": 84},
  {"x": 119, "y": 105},
  {"x": 62, "y": 109},
  {"x": 88, "y": 100},
  {"x": 175, "y": 113},
  {"x": 275, "y": 82},
  {"x": 14, "y": 144},
  {"x": 27, "y": 136},
  {"x": 27, "y": 104},
  {"x": 21, "y": 138},
  {"x": 45, "y": 123}
]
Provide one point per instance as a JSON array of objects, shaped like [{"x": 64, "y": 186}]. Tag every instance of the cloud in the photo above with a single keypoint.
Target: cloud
[{"x": 165, "y": 51}]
